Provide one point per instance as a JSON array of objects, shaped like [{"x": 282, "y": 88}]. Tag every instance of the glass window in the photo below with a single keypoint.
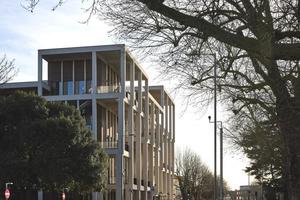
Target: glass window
[
  {"x": 54, "y": 88},
  {"x": 81, "y": 87},
  {"x": 70, "y": 87}
]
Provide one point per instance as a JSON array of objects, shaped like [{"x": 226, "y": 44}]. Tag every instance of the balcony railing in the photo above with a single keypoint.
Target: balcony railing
[
  {"x": 108, "y": 89},
  {"x": 109, "y": 145},
  {"x": 111, "y": 180}
]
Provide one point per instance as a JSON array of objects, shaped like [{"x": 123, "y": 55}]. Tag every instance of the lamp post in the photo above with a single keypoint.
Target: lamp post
[
  {"x": 215, "y": 125},
  {"x": 221, "y": 163},
  {"x": 221, "y": 156},
  {"x": 7, "y": 184}
]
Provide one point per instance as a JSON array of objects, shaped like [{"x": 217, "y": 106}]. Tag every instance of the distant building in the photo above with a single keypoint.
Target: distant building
[
  {"x": 247, "y": 192},
  {"x": 134, "y": 122}
]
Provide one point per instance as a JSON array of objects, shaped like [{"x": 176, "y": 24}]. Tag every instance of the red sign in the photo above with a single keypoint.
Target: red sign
[
  {"x": 63, "y": 196},
  {"x": 7, "y": 194}
]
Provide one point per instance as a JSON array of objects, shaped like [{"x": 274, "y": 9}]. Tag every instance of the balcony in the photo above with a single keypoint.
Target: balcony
[
  {"x": 111, "y": 180},
  {"x": 108, "y": 89},
  {"x": 109, "y": 145}
]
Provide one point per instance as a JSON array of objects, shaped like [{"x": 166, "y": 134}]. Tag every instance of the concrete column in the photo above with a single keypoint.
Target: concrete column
[
  {"x": 131, "y": 132},
  {"x": 162, "y": 132},
  {"x": 138, "y": 155},
  {"x": 84, "y": 76},
  {"x": 40, "y": 74},
  {"x": 152, "y": 117},
  {"x": 138, "y": 136},
  {"x": 94, "y": 72},
  {"x": 40, "y": 195},
  {"x": 151, "y": 153},
  {"x": 152, "y": 141},
  {"x": 146, "y": 136},
  {"x": 173, "y": 121},
  {"x": 121, "y": 129},
  {"x": 61, "y": 83},
  {"x": 169, "y": 138},
  {"x": 94, "y": 101},
  {"x": 165, "y": 181},
  {"x": 157, "y": 145}
]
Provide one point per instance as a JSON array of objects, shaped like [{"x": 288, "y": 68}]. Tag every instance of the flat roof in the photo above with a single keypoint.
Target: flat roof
[{"x": 16, "y": 85}]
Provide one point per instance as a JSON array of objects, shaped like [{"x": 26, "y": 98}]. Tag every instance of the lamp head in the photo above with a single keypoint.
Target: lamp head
[{"x": 209, "y": 118}]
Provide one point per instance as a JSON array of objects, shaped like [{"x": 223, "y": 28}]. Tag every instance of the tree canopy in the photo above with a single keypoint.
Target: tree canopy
[
  {"x": 46, "y": 146},
  {"x": 263, "y": 146}
]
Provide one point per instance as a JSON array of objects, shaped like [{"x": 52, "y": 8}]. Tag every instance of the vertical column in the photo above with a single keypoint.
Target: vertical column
[
  {"x": 152, "y": 128},
  {"x": 73, "y": 76},
  {"x": 61, "y": 83},
  {"x": 84, "y": 76},
  {"x": 138, "y": 136},
  {"x": 94, "y": 103},
  {"x": 162, "y": 135},
  {"x": 157, "y": 145},
  {"x": 131, "y": 132},
  {"x": 121, "y": 129},
  {"x": 169, "y": 146},
  {"x": 166, "y": 185},
  {"x": 146, "y": 136},
  {"x": 40, "y": 195},
  {"x": 172, "y": 168},
  {"x": 162, "y": 132},
  {"x": 40, "y": 74},
  {"x": 174, "y": 136},
  {"x": 151, "y": 149},
  {"x": 172, "y": 119},
  {"x": 94, "y": 72}
]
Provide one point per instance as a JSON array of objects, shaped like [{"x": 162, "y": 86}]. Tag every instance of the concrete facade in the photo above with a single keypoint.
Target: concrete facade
[{"x": 134, "y": 122}]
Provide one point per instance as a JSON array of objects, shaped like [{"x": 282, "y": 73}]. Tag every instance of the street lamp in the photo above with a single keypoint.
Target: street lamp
[
  {"x": 221, "y": 155},
  {"x": 7, "y": 184},
  {"x": 215, "y": 124}
]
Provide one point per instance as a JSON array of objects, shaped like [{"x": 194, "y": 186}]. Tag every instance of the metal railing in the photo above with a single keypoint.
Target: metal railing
[
  {"x": 111, "y": 180},
  {"x": 109, "y": 144},
  {"x": 108, "y": 89}
]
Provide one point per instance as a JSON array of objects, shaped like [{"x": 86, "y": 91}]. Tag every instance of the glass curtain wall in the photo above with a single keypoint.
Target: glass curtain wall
[{"x": 70, "y": 77}]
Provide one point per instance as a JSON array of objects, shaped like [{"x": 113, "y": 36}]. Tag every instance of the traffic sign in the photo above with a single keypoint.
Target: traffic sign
[
  {"x": 63, "y": 196},
  {"x": 7, "y": 194}
]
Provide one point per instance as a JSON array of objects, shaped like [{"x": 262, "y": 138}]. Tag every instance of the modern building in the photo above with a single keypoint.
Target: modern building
[
  {"x": 247, "y": 192},
  {"x": 134, "y": 122}
]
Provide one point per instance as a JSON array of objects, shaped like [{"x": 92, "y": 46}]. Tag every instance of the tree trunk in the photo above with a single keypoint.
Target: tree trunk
[{"x": 289, "y": 123}]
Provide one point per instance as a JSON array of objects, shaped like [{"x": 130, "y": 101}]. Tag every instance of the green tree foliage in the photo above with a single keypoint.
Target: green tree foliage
[
  {"x": 46, "y": 146},
  {"x": 262, "y": 144}
]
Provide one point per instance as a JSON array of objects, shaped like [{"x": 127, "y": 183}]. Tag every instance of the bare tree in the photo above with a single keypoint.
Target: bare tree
[
  {"x": 7, "y": 69},
  {"x": 195, "y": 181},
  {"x": 257, "y": 46}
]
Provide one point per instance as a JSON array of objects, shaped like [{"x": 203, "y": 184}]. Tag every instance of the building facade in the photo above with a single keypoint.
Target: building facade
[{"x": 133, "y": 122}]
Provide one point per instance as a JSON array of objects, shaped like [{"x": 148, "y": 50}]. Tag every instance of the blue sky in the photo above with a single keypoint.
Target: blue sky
[{"x": 22, "y": 33}]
